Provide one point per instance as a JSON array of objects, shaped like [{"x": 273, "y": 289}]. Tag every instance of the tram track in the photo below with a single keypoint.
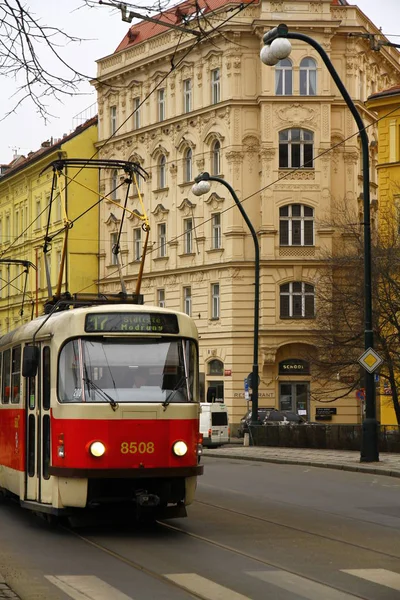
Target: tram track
[
  {"x": 299, "y": 529},
  {"x": 227, "y": 548}
]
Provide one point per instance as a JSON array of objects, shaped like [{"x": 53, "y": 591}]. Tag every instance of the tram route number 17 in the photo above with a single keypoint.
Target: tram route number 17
[{"x": 137, "y": 447}]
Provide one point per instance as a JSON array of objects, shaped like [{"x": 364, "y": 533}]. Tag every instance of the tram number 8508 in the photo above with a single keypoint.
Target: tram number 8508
[{"x": 137, "y": 448}]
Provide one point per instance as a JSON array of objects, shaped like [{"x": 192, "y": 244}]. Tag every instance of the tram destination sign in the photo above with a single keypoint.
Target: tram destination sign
[{"x": 131, "y": 323}]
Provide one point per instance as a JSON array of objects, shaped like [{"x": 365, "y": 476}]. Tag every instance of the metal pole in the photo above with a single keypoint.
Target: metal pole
[
  {"x": 208, "y": 177},
  {"x": 369, "y": 444}
]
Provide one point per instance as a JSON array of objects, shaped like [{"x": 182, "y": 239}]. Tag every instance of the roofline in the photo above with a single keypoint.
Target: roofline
[
  {"x": 29, "y": 162},
  {"x": 384, "y": 94}
]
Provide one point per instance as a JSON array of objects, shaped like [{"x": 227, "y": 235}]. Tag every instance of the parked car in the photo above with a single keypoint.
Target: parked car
[
  {"x": 282, "y": 417},
  {"x": 244, "y": 422}
]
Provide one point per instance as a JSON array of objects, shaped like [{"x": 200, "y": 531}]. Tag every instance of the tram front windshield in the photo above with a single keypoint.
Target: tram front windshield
[{"x": 100, "y": 370}]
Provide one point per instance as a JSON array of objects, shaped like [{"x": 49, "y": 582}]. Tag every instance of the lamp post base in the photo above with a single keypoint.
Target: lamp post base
[{"x": 369, "y": 441}]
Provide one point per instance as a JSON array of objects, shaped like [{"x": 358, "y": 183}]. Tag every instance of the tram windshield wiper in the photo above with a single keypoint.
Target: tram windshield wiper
[
  {"x": 172, "y": 393},
  {"x": 92, "y": 385}
]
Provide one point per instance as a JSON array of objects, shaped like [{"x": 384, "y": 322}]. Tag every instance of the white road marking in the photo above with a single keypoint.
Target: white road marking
[
  {"x": 311, "y": 590},
  {"x": 86, "y": 587},
  {"x": 384, "y": 577},
  {"x": 204, "y": 587}
]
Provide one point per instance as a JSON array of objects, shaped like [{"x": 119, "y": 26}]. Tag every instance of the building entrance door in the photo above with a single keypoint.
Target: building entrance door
[{"x": 294, "y": 397}]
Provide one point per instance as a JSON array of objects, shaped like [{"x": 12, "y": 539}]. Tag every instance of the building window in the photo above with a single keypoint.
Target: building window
[
  {"x": 215, "y": 86},
  {"x": 215, "y": 300},
  {"x": 162, "y": 172},
  {"x": 308, "y": 77},
  {"x": 161, "y": 105},
  {"x": 137, "y": 243},
  {"x": 113, "y": 243},
  {"x": 284, "y": 78},
  {"x": 187, "y": 95},
  {"x": 114, "y": 185},
  {"x": 297, "y": 300},
  {"x": 136, "y": 113},
  {"x": 216, "y": 231},
  {"x": 188, "y": 165},
  {"x": 16, "y": 219},
  {"x": 38, "y": 221},
  {"x": 161, "y": 298},
  {"x": 296, "y": 149},
  {"x": 58, "y": 208},
  {"x": 296, "y": 225},
  {"x": 162, "y": 239},
  {"x": 188, "y": 235},
  {"x": 187, "y": 301},
  {"x": 113, "y": 119},
  {"x": 216, "y": 158}
]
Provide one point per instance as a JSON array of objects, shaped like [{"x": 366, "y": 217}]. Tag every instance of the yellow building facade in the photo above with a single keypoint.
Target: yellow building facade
[
  {"x": 386, "y": 106},
  {"x": 25, "y": 192},
  {"x": 283, "y": 138}
]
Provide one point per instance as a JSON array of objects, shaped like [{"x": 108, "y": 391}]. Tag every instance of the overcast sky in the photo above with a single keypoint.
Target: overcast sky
[{"x": 104, "y": 29}]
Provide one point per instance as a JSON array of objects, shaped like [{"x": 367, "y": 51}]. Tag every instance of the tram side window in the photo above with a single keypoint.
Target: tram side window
[
  {"x": 16, "y": 375},
  {"x": 6, "y": 377},
  {"x": 46, "y": 378}
]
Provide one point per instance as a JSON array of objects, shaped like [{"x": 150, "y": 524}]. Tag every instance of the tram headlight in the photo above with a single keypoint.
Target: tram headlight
[
  {"x": 179, "y": 448},
  {"x": 97, "y": 449}
]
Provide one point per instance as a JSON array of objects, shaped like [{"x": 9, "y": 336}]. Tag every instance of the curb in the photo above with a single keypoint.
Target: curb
[{"x": 283, "y": 461}]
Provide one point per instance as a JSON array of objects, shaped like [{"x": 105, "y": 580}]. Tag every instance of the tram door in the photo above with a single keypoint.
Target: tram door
[{"x": 37, "y": 399}]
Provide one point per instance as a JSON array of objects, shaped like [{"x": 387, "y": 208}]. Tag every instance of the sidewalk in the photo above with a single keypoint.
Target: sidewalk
[
  {"x": 5, "y": 591},
  {"x": 389, "y": 464}
]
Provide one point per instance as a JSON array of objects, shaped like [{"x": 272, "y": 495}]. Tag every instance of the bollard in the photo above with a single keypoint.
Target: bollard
[{"x": 246, "y": 440}]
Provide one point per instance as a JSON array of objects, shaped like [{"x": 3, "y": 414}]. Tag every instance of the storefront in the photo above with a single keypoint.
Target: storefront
[{"x": 294, "y": 387}]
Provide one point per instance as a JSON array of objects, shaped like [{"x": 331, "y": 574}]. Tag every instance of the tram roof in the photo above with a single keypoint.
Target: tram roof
[{"x": 59, "y": 319}]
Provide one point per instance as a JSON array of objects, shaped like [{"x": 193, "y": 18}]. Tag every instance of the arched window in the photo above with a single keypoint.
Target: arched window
[
  {"x": 296, "y": 149},
  {"x": 114, "y": 185},
  {"x": 188, "y": 165},
  {"x": 162, "y": 172},
  {"x": 297, "y": 300},
  {"x": 216, "y": 158},
  {"x": 308, "y": 77},
  {"x": 284, "y": 78},
  {"x": 215, "y": 367},
  {"x": 296, "y": 225}
]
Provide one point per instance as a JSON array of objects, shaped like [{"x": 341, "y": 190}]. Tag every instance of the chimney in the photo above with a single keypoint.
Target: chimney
[{"x": 46, "y": 144}]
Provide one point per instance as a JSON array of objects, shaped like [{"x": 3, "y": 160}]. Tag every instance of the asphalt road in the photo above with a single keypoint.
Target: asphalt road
[{"x": 256, "y": 531}]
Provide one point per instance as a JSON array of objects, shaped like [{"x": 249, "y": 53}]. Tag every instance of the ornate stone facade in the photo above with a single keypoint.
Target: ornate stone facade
[{"x": 223, "y": 112}]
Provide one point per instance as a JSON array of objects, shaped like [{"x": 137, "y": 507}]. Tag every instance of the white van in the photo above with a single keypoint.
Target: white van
[{"x": 214, "y": 424}]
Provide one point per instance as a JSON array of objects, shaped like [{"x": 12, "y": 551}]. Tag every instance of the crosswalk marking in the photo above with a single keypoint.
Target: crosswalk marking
[
  {"x": 306, "y": 588},
  {"x": 204, "y": 587},
  {"x": 384, "y": 577},
  {"x": 89, "y": 587},
  {"x": 86, "y": 587}
]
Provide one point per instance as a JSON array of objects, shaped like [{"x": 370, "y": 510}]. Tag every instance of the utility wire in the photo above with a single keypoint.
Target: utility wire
[
  {"x": 151, "y": 92},
  {"x": 290, "y": 172}
]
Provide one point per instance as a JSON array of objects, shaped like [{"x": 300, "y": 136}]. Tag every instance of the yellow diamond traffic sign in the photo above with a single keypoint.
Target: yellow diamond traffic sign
[{"x": 370, "y": 360}]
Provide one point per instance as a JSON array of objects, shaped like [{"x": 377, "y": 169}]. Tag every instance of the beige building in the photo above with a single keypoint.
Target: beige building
[{"x": 282, "y": 137}]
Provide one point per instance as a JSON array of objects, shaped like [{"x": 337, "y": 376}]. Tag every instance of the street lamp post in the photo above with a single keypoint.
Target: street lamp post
[
  {"x": 277, "y": 46},
  {"x": 202, "y": 186}
]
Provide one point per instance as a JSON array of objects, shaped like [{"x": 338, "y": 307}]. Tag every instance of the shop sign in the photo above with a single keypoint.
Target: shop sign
[
  {"x": 326, "y": 411},
  {"x": 294, "y": 366}
]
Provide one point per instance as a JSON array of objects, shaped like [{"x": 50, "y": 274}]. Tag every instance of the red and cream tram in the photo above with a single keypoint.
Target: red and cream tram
[{"x": 99, "y": 407}]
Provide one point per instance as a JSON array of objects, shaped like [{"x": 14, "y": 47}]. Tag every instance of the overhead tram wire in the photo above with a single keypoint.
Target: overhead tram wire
[
  {"x": 151, "y": 92},
  {"x": 293, "y": 170},
  {"x": 290, "y": 172}
]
